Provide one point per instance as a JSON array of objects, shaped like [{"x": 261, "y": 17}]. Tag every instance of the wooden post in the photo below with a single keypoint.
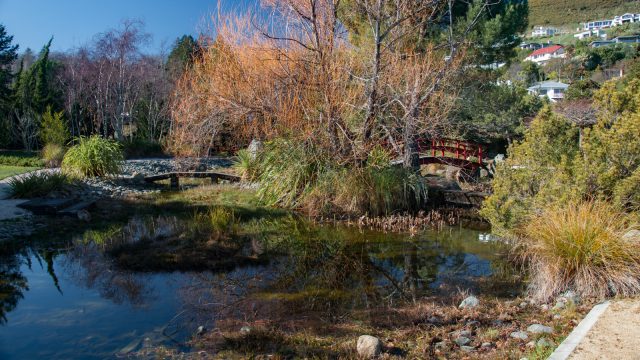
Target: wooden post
[
  {"x": 175, "y": 183},
  {"x": 479, "y": 154}
]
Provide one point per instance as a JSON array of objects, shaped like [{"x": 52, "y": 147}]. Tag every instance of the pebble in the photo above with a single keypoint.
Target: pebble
[
  {"x": 469, "y": 302},
  {"x": 544, "y": 342},
  {"x": 539, "y": 329},
  {"x": 462, "y": 340},
  {"x": 467, "y": 348},
  {"x": 369, "y": 346},
  {"x": 519, "y": 335},
  {"x": 486, "y": 345}
]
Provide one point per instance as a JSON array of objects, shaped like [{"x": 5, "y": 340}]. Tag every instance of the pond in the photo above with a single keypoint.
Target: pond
[{"x": 82, "y": 298}]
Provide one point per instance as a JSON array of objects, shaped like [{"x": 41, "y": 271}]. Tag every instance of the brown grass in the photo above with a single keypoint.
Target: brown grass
[{"x": 581, "y": 247}]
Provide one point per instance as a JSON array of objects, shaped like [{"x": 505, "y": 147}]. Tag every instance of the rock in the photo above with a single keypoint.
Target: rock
[
  {"x": 465, "y": 333},
  {"x": 484, "y": 173},
  {"x": 469, "y": 302},
  {"x": 255, "y": 147},
  {"x": 531, "y": 344},
  {"x": 462, "y": 340},
  {"x": 523, "y": 304},
  {"x": 557, "y": 317},
  {"x": 201, "y": 330},
  {"x": 519, "y": 335},
  {"x": 245, "y": 329},
  {"x": 84, "y": 215},
  {"x": 468, "y": 348},
  {"x": 539, "y": 329},
  {"x": 632, "y": 235},
  {"x": 499, "y": 158},
  {"x": 486, "y": 345},
  {"x": 544, "y": 307},
  {"x": 369, "y": 346},
  {"x": 559, "y": 305},
  {"x": 544, "y": 342},
  {"x": 440, "y": 345}
]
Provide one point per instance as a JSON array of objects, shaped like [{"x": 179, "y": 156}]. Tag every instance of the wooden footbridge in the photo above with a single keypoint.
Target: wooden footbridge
[{"x": 462, "y": 154}]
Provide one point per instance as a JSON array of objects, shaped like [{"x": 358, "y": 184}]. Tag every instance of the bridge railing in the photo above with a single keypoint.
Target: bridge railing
[{"x": 461, "y": 150}]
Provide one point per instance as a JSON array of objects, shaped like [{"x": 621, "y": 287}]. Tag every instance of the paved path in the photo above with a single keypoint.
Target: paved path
[{"x": 615, "y": 336}]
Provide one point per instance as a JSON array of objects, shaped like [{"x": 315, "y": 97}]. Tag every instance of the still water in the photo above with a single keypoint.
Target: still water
[{"x": 73, "y": 300}]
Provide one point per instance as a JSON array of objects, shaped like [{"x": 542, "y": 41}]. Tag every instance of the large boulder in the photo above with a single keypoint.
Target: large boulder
[{"x": 369, "y": 347}]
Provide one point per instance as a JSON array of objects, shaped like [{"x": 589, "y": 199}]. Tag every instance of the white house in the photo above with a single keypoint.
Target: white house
[
  {"x": 597, "y": 25},
  {"x": 542, "y": 31},
  {"x": 551, "y": 89},
  {"x": 625, "y": 18},
  {"x": 591, "y": 33},
  {"x": 542, "y": 56}
]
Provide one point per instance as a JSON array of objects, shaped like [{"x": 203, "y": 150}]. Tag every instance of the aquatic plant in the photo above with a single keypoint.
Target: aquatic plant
[
  {"x": 584, "y": 247},
  {"x": 37, "y": 184},
  {"x": 93, "y": 156},
  {"x": 217, "y": 221}
]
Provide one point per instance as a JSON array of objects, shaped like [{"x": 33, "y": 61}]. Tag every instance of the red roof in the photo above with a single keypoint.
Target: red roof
[{"x": 547, "y": 50}]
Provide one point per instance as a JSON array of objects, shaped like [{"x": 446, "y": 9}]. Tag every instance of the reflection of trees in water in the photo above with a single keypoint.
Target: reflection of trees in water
[
  {"x": 88, "y": 266},
  {"x": 12, "y": 284},
  {"x": 329, "y": 273}
]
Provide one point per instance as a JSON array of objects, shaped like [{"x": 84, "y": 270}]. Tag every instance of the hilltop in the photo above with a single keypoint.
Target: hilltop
[{"x": 554, "y": 12}]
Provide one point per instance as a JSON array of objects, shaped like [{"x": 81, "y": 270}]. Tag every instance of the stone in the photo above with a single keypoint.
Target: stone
[
  {"x": 557, "y": 317},
  {"x": 531, "y": 344},
  {"x": 544, "y": 307},
  {"x": 84, "y": 215},
  {"x": 519, "y": 335},
  {"x": 486, "y": 345},
  {"x": 462, "y": 340},
  {"x": 539, "y": 329},
  {"x": 559, "y": 305},
  {"x": 245, "y": 329},
  {"x": 499, "y": 158},
  {"x": 255, "y": 147},
  {"x": 570, "y": 297},
  {"x": 369, "y": 347},
  {"x": 465, "y": 333},
  {"x": 440, "y": 345},
  {"x": 523, "y": 304},
  {"x": 469, "y": 302},
  {"x": 467, "y": 348},
  {"x": 632, "y": 235},
  {"x": 201, "y": 330},
  {"x": 544, "y": 342},
  {"x": 484, "y": 173}
]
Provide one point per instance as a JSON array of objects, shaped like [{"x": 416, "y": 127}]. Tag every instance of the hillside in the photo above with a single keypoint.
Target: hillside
[{"x": 555, "y": 12}]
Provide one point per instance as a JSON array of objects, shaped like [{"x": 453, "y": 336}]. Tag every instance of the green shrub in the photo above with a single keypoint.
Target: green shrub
[
  {"x": 93, "y": 156},
  {"x": 53, "y": 129},
  {"x": 246, "y": 164},
  {"x": 37, "y": 184},
  {"x": 583, "y": 248},
  {"x": 21, "y": 158},
  {"x": 52, "y": 154}
]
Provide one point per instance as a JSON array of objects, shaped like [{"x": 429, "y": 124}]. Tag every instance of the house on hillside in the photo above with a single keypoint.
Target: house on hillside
[
  {"x": 601, "y": 43},
  {"x": 542, "y": 56},
  {"x": 630, "y": 39},
  {"x": 590, "y": 33},
  {"x": 543, "y": 31},
  {"x": 597, "y": 25},
  {"x": 530, "y": 46},
  {"x": 625, "y": 19},
  {"x": 553, "y": 90}
]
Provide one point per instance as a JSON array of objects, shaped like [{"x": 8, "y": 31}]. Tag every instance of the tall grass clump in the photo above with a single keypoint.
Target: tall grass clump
[
  {"x": 37, "y": 184},
  {"x": 298, "y": 175},
  {"x": 246, "y": 164},
  {"x": 52, "y": 154},
  {"x": 581, "y": 247},
  {"x": 93, "y": 156},
  {"x": 218, "y": 222}
]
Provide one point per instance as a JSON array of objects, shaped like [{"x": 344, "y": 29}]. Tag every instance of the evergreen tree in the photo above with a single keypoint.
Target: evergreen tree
[
  {"x": 184, "y": 52},
  {"x": 8, "y": 54}
]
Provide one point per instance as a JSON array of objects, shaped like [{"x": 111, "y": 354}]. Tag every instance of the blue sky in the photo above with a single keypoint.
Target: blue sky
[{"x": 74, "y": 22}]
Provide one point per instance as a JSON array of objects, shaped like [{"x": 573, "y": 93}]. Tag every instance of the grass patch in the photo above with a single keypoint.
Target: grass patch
[
  {"x": 21, "y": 158},
  {"x": 7, "y": 170},
  {"x": 37, "y": 184},
  {"x": 581, "y": 247}
]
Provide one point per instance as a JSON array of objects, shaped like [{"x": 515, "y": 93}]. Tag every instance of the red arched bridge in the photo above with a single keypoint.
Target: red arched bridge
[{"x": 462, "y": 154}]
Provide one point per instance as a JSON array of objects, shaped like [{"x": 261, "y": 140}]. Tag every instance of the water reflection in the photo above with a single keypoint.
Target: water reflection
[{"x": 281, "y": 271}]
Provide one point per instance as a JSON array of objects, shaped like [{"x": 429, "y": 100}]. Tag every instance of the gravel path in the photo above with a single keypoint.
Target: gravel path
[{"x": 616, "y": 334}]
